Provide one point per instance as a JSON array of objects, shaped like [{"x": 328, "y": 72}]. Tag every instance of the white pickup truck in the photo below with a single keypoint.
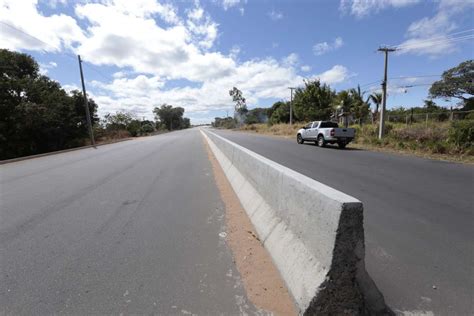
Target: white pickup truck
[{"x": 324, "y": 132}]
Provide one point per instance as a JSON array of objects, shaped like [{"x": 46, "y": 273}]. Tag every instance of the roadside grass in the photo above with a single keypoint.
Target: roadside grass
[{"x": 449, "y": 141}]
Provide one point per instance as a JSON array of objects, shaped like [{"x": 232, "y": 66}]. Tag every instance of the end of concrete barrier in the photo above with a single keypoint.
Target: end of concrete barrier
[{"x": 313, "y": 233}]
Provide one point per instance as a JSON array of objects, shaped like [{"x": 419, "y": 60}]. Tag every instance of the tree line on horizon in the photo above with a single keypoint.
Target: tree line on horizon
[
  {"x": 37, "y": 115},
  {"x": 317, "y": 101}
]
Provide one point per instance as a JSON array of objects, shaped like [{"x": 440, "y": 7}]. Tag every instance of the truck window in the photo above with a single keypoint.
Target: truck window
[
  {"x": 309, "y": 125},
  {"x": 329, "y": 125}
]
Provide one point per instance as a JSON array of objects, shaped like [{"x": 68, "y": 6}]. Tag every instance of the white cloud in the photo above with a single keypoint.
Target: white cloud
[
  {"x": 291, "y": 60},
  {"x": 275, "y": 15},
  {"x": 234, "y": 51},
  {"x": 141, "y": 85},
  {"x": 227, "y": 4},
  {"x": 152, "y": 46},
  {"x": 58, "y": 30},
  {"x": 363, "y": 8},
  {"x": 325, "y": 47},
  {"x": 119, "y": 38},
  {"x": 119, "y": 74},
  {"x": 336, "y": 74},
  {"x": 256, "y": 78},
  {"x": 70, "y": 87},
  {"x": 202, "y": 27},
  {"x": 305, "y": 68},
  {"x": 431, "y": 35},
  {"x": 45, "y": 67}
]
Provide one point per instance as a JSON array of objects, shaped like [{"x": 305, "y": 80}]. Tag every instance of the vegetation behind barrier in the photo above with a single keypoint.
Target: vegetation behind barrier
[{"x": 450, "y": 140}]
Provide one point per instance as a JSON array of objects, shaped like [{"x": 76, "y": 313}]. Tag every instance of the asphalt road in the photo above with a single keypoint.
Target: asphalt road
[
  {"x": 130, "y": 228},
  {"x": 418, "y": 218}
]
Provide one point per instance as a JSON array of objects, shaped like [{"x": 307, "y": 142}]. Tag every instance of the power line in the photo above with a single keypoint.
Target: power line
[
  {"x": 454, "y": 84},
  {"x": 27, "y": 34},
  {"x": 370, "y": 83},
  {"x": 414, "y": 77},
  {"x": 430, "y": 42},
  {"x": 93, "y": 68},
  {"x": 439, "y": 37},
  {"x": 397, "y": 78},
  {"x": 39, "y": 40},
  {"x": 88, "y": 65}
]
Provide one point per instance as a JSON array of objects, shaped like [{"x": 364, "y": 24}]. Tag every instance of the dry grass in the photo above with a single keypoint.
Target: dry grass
[
  {"x": 284, "y": 130},
  {"x": 427, "y": 141}
]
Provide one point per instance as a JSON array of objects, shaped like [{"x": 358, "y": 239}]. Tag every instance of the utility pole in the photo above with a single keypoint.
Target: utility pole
[
  {"x": 86, "y": 104},
  {"x": 291, "y": 105},
  {"x": 386, "y": 50}
]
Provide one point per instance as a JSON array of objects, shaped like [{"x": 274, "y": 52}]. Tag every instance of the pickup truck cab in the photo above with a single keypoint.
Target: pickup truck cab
[{"x": 325, "y": 132}]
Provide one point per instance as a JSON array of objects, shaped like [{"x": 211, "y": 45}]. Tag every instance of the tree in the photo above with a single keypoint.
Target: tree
[
  {"x": 257, "y": 115},
  {"x": 134, "y": 128},
  {"x": 343, "y": 104},
  {"x": 123, "y": 121},
  {"x": 376, "y": 98},
  {"x": 360, "y": 107},
  {"x": 186, "y": 123},
  {"x": 430, "y": 105},
  {"x": 171, "y": 117},
  {"x": 118, "y": 121},
  {"x": 227, "y": 122},
  {"x": 36, "y": 114},
  {"x": 280, "y": 112},
  {"x": 313, "y": 102},
  {"x": 240, "y": 105},
  {"x": 147, "y": 128},
  {"x": 457, "y": 82}
]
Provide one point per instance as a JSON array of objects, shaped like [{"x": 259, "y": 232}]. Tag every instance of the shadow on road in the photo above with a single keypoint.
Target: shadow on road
[{"x": 331, "y": 147}]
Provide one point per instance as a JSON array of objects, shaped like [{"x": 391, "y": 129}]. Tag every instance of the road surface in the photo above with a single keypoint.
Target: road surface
[
  {"x": 130, "y": 228},
  {"x": 418, "y": 218}
]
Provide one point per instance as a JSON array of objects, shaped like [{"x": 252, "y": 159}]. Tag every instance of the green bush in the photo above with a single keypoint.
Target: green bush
[
  {"x": 461, "y": 133},
  {"x": 147, "y": 128},
  {"x": 437, "y": 147},
  {"x": 419, "y": 133},
  {"x": 469, "y": 116}
]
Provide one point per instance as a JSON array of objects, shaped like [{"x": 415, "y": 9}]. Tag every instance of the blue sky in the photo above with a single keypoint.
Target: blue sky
[{"x": 140, "y": 54}]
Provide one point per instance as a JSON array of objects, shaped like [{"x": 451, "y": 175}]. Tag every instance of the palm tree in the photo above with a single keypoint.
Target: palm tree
[
  {"x": 360, "y": 107},
  {"x": 376, "y": 98},
  {"x": 342, "y": 105}
]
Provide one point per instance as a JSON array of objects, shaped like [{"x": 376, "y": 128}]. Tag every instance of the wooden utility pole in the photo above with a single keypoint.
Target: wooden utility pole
[
  {"x": 86, "y": 104},
  {"x": 386, "y": 50},
  {"x": 291, "y": 105}
]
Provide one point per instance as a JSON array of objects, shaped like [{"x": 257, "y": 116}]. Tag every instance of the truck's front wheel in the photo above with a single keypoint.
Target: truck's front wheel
[{"x": 299, "y": 139}]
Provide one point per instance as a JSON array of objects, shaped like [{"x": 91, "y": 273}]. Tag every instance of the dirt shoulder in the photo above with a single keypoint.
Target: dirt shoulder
[{"x": 264, "y": 286}]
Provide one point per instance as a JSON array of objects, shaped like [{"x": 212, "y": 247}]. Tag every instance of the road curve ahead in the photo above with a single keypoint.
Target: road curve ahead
[
  {"x": 418, "y": 218},
  {"x": 130, "y": 228}
]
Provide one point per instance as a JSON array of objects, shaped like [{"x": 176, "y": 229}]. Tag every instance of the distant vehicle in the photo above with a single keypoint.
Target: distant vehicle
[{"x": 325, "y": 132}]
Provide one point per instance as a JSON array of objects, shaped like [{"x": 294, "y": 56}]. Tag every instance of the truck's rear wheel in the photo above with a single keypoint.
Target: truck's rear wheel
[
  {"x": 299, "y": 139},
  {"x": 341, "y": 145},
  {"x": 321, "y": 141}
]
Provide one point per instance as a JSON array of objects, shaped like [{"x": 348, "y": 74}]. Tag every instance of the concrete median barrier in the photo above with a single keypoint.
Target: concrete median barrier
[{"x": 313, "y": 232}]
